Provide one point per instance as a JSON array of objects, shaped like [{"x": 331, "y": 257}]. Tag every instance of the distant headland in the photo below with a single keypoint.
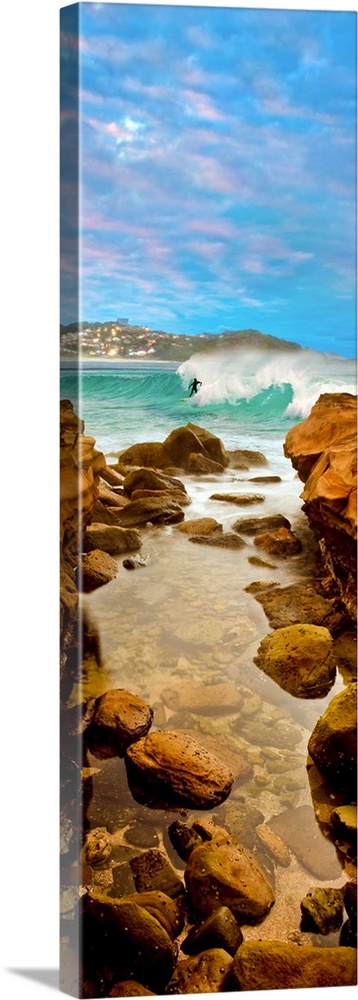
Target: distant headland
[{"x": 118, "y": 339}]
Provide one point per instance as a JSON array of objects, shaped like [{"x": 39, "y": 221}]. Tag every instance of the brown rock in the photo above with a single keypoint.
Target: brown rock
[
  {"x": 179, "y": 445},
  {"x": 257, "y": 525},
  {"x": 226, "y": 540},
  {"x": 119, "y": 718},
  {"x": 153, "y": 872},
  {"x": 219, "y": 930},
  {"x": 164, "y": 908},
  {"x": 282, "y": 542},
  {"x": 129, "y": 988},
  {"x": 333, "y": 743},
  {"x": 272, "y": 965},
  {"x": 111, "y": 538},
  {"x": 299, "y": 830},
  {"x": 150, "y": 479},
  {"x": 204, "y": 973},
  {"x": 295, "y": 605},
  {"x": 273, "y": 845},
  {"x": 214, "y": 447},
  {"x": 149, "y": 453},
  {"x": 200, "y": 526},
  {"x": 201, "y": 465},
  {"x": 104, "y": 514},
  {"x": 156, "y": 510},
  {"x": 322, "y": 910},
  {"x": 205, "y": 699},
  {"x": 97, "y": 569},
  {"x": 109, "y": 497},
  {"x": 111, "y": 476},
  {"x": 299, "y": 659},
  {"x": 246, "y": 457},
  {"x": 225, "y": 874},
  {"x": 238, "y": 498},
  {"x": 174, "y": 769}
]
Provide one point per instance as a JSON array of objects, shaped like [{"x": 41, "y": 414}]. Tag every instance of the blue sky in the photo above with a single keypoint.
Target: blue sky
[{"x": 218, "y": 187}]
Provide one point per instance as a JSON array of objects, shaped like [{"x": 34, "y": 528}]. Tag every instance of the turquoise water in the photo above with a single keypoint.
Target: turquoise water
[{"x": 248, "y": 398}]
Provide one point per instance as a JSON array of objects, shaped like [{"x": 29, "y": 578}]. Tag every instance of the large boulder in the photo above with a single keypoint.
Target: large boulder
[
  {"x": 323, "y": 449},
  {"x": 173, "y": 769},
  {"x": 200, "y": 526},
  {"x": 180, "y": 444},
  {"x": 214, "y": 447},
  {"x": 97, "y": 568},
  {"x": 150, "y": 479},
  {"x": 333, "y": 743},
  {"x": 272, "y": 965},
  {"x": 147, "y": 453},
  {"x": 299, "y": 658},
  {"x": 223, "y": 873},
  {"x": 258, "y": 525},
  {"x": 118, "y": 719},
  {"x": 295, "y": 605},
  {"x": 154, "y": 509},
  {"x": 111, "y": 538}
]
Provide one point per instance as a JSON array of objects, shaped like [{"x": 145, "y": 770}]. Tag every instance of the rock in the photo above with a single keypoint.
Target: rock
[
  {"x": 348, "y": 935},
  {"x": 119, "y": 718},
  {"x": 111, "y": 476},
  {"x": 296, "y": 605},
  {"x": 225, "y": 541},
  {"x": 241, "y": 820},
  {"x": 223, "y": 873},
  {"x": 180, "y": 444},
  {"x": 333, "y": 743},
  {"x": 163, "y": 907},
  {"x": 176, "y": 496},
  {"x": 104, "y": 514},
  {"x": 124, "y": 940},
  {"x": 201, "y": 465},
  {"x": 111, "y": 538},
  {"x": 257, "y": 525},
  {"x": 265, "y": 479},
  {"x": 238, "y": 498},
  {"x": 153, "y": 872},
  {"x": 200, "y": 526},
  {"x": 246, "y": 457},
  {"x": 322, "y": 910},
  {"x": 213, "y": 445},
  {"x": 282, "y": 542},
  {"x": 272, "y": 965},
  {"x": 258, "y": 585},
  {"x": 299, "y": 830},
  {"x": 265, "y": 733},
  {"x": 350, "y": 899},
  {"x": 148, "y": 453},
  {"x": 273, "y": 844},
  {"x": 344, "y": 820},
  {"x": 323, "y": 449},
  {"x": 97, "y": 846},
  {"x": 345, "y": 652},
  {"x": 110, "y": 498},
  {"x": 204, "y": 973},
  {"x": 151, "y": 480},
  {"x": 227, "y": 751},
  {"x": 205, "y": 699},
  {"x": 135, "y": 563},
  {"x": 155, "y": 509},
  {"x": 299, "y": 658},
  {"x": 220, "y": 930},
  {"x": 97, "y": 569},
  {"x": 183, "y": 838},
  {"x": 173, "y": 769},
  {"x": 257, "y": 561},
  {"x": 129, "y": 988}
]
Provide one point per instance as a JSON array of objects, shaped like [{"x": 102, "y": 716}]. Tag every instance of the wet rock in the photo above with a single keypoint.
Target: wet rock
[
  {"x": 204, "y": 630},
  {"x": 322, "y": 910},
  {"x": 257, "y": 561},
  {"x": 344, "y": 820},
  {"x": 213, "y": 445},
  {"x": 200, "y": 526},
  {"x": 183, "y": 838},
  {"x": 152, "y": 872},
  {"x": 119, "y": 718},
  {"x": 103, "y": 514},
  {"x": 129, "y": 988},
  {"x": 238, "y": 498},
  {"x": 175, "y": 495},
  {"x": 111, "y": 476},
  {"x": 241, "y": 820},
  {"x": 299, "y": 830},
  {"x": 265, "y": 479},
  {"x": 282, "y": 542},
  {"x": 225, "y": 541},
  {"x": 135, "y": 563},
  {"x": 204, "y": 973},
  {"x": 226, "y": 750},
  {"x": 223, "y": 873},
  {"x": 205, "y": 699},
  {"x": 269, "y": 965},
  {"x": 220, "y": 930},
  {"x": 299, "y": 658},
  {"x": 156, "y": 510},
  {"x": 247, "y": 458},
  {"x": 147, "y": 453},
  {"x": 348, "y": 935},
  {"x": 257, "y": 585},
  {"x": 180, "y": 444},
  {"x": 267, "y": 733},
  {"x": 201, "y": 465},
  {"x": 166, "y": 910},
  {"x": 126, "y": 942},
  {"x": 273, "y": 845},
  {"x": 141, "y": 835},
  {"x": 257, "y": 525},
  {"x": 111, "y": 539},
  {"x": 174, "y": 769},
  {"x": 294, "y": 605},
  {"x": 152, "y": 481},
  {"x": 110, "y": 498},
  {"x": 350, "y": 899},
  {"x": 97, "y": 846},
  {"x": 333, "y": 743},
  {"x": 97, "y": 569},
  {"x": 345, "y": 652}
]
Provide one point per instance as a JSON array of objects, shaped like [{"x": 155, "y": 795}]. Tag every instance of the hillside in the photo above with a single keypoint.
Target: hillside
[{"x": 119, "y": 340}]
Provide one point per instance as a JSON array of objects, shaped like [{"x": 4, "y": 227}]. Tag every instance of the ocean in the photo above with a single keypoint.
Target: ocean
[{"x": 188, "y": 617}]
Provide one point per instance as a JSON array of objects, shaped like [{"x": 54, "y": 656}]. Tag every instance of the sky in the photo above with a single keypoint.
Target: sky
[{"x": 217, "y": 170}]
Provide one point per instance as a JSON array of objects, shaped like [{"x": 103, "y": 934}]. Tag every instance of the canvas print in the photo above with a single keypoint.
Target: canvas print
[{"x": 207, "y": 514}]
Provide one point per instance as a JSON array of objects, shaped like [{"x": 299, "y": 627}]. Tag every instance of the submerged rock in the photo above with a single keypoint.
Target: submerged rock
[
  {"x": 205, "y": 699},
  {"x": 135, "y": 563},
  {"x": 153, "y": 872},
  {"x": 219, "y": 930},
  {"x": 322, "y": 910},
  {"x": 200, "y": 526},
  {"x": 333, "y": 743},
  {"x": 295, "y": 605},
  {"x": 281, "y": 542},
  {"x": 118, "y": 719},
  {"x": 272, "y": 965},
  {"x": 223, "y": 873},
  {"x": 299, "y": 658},
  {"x": 299, "y": 830},
  {"x": 171, "y": 768},
  {"x": 207, "y": 972},
  {"x": 226, "y": 540},
  {"x": 238, "y": 498}
]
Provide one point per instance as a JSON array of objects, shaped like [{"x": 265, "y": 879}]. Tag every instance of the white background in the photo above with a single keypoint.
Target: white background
[{"x": 29, "y": 495}]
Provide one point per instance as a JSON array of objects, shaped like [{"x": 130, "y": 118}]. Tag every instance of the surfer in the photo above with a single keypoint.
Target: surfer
[{"x": 194, "y": 386}]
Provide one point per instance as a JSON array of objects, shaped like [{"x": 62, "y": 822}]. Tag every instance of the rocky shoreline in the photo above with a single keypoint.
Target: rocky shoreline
[{"x": 172, "y": 905}]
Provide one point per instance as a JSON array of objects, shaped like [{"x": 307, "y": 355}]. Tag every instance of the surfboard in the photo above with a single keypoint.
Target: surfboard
[{"x": 183, "y": 399}]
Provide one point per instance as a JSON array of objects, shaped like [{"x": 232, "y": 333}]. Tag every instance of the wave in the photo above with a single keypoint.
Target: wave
[{"x": 297, "y": 378}]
